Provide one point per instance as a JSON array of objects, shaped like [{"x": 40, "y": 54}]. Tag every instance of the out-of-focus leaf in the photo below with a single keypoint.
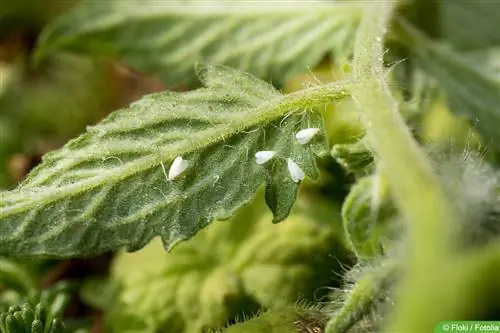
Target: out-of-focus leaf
[
  {"x": 486, "y": 61},
  {"x": 9, "y": 140},
  {"x": 7, "y": 75},
  {"x": 472, "y": 88},
  {"x": 469, "y": 25},
  {"x": 366, "y": 214},
  {"x": 24, "y": 14},
  {"x": 14, "y": 276},
  {"x": 441, "y": 128},
  {"x": 213, "y": 277},
  {"x": 271, "y": 39},
  {"x": 98, "y": 292},
  {"x": 57, "y": 101},
  {"x": 108, "y": 188},
  {"x": 45, "y": 107}
]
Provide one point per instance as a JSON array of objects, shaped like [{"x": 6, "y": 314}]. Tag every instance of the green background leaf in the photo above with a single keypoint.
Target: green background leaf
[
  {"x": 41, "y": 109},
  {"x": 469, "y": 25},
  {"x": 230, "y": 269},
  {"x": 272, "y": 40},
  {"x": 470, "y": 80}
]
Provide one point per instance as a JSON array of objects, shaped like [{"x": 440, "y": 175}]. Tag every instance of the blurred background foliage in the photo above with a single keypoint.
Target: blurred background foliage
[
  {"x": 226, "y": 271},
  {"x": 42, "y": 106}
]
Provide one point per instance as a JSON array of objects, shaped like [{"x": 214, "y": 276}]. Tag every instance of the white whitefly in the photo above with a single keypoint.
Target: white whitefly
[
  {"x": 305, "y": 135},
  {"x": 263, "y": 156},
  {"x": 179, "y": 165},
  {"x": 295, "y": 171}
]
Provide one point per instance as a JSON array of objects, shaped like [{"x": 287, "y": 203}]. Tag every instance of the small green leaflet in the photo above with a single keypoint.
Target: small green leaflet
[
  {"x": 470, "y": 80},
  {"x": 106, "y": 189},
  {"x": 354, "y": 157},
  {"x": 271, "y": 39},
  {"x": 368, "y": 217}
]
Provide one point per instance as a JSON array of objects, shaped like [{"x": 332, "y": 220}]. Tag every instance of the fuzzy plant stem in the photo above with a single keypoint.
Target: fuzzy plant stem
[
  {"x": 359, "y": 301},
  {"x": 415, "y": 187}
]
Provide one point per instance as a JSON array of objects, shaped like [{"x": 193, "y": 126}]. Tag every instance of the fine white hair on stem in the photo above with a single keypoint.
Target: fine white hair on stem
[
  {"x": 263, "y": 156},
  {"x": 306, "y": 135},
  {"x": 179, "y": 165},
  {"x": 314, "y": 77},
  {"x": 295, "y": 171}
]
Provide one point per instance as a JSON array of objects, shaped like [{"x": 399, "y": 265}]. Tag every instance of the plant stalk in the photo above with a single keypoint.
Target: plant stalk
[{"x": 415, "y": 187}]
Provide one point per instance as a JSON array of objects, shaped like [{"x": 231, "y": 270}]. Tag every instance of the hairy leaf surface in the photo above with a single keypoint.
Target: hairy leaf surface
[
  {"x": 107, "y": 188},
  {"x": 272, "y": 39}
]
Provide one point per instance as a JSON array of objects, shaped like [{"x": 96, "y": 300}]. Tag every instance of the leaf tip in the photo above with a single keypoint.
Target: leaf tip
[{"x": 169, "y": 245}]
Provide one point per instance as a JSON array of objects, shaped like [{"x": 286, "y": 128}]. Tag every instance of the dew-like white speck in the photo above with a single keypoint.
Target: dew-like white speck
[
  {"x": 263, "y": 156},
  {"x": 295, "y": 171},
  {"x": 178, "y": 166},
  {"x": 305, "y": 135}
]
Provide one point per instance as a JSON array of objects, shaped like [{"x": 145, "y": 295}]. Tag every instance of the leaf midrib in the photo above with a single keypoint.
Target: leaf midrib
[
  {"x": 266, "y": 113},
  {"x": 169, "y": 200}
]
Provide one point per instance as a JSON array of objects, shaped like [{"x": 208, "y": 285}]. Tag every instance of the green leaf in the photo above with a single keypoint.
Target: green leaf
[
  {"x": 472, "y": 85},
  {"x": 107, "y": 188},
  {"x": 166, "y": 38},
  {"x": 71, "y": 87},
  {"x": 14, "y": 275},
  {"x": 469, "y": 25},
  {"x": 97, "y": 292},
  {"x": 354, "y": 157},
  {"x": 366, "y": 213},
  {"x": 229, "y": 269},
  {"x": 26, "y": 15}
]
